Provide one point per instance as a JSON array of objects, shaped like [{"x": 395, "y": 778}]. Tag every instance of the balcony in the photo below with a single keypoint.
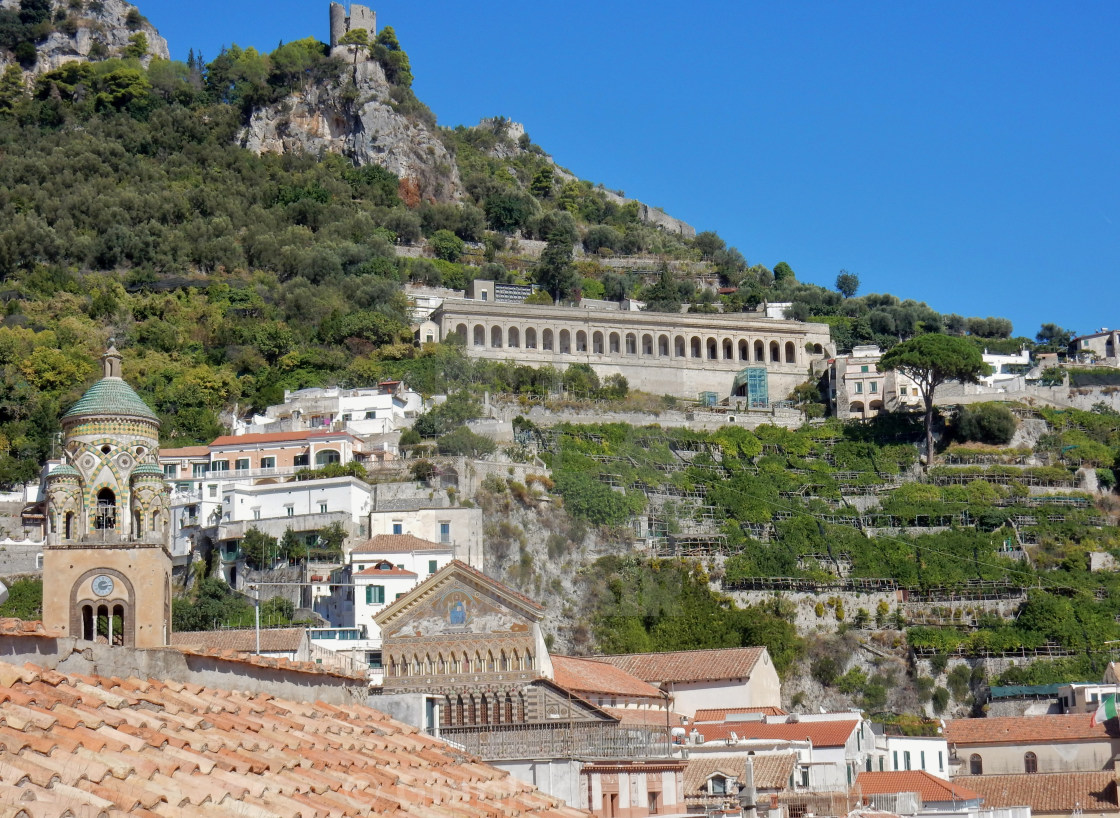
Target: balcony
[
  {"x": 276, "y": 526},
  {"x": 561, "y": 740}
]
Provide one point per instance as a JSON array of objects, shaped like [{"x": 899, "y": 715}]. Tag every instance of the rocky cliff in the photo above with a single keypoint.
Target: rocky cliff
[
  {"x": 89, "y": 30},
  {"x": 355, "y": 117}
]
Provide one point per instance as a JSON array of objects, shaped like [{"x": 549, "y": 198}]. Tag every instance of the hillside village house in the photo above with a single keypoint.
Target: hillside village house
[
  {"x": 1030, "y": 744},
  {"x": 734, "y": 677},
  {"x": 1101, "y": 347},
  {"x": 857, "y": 389},
  {"x": 378, "y": 410}
]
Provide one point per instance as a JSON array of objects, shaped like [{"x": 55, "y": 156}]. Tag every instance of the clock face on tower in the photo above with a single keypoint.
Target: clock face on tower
[{"x": 103, "y": 585}]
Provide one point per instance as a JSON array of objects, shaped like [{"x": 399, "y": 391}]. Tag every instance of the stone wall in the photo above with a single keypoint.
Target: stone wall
[{"x": 19, "y": 557}]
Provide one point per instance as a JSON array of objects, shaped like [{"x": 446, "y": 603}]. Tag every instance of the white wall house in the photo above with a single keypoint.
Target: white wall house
[
  {"x": 459, "y": 528},
  {"x": 376, "y": 410},
  {"x": 1005, "y": 368},
  {"x": 925, "y": 753}
]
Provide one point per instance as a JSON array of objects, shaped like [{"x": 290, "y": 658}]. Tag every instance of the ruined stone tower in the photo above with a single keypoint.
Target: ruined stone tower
[{"x": 359, "y": 17}]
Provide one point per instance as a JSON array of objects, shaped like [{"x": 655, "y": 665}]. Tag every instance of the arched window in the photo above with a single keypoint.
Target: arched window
[
  {"x": 713, "y": 350},
  {"x": 461, "y": 331},
  {"x": 615, "y": 346},
  {"x": 546, "y": 340},
  {"x": 105, "y": 517},
  {"x": 744, "y": 351},
  {"x": 68, "y": 522},
  {"x": 496, "y": 337},
  {"x": 514, "y": 338},
  {"x": 530, "y": 338},
  {"x": 1030, "y": 763},
  {"x": 791, "y": 353},
  {"x": 326, "y": 457},
  {"x": 647, "y": 344},
  {"x": 479, "y": 336},
  {"x": 631, "y": 344},
  {"x": 759, "y": 351},
  {"x": 581, "y": 341},
  {"x": 597, "y": 343},
  {"x": 728, "y": 350},
  {"x": 663, "y": 346},
  {"x": 775, "y": 352},
  {"x": 696, "y": 353},
  {"x": 678, "y": 346},
  {"x": 817, "y": 349},
  {"x": 565, "y": 342},
  {"x": 975, "y": 764}
]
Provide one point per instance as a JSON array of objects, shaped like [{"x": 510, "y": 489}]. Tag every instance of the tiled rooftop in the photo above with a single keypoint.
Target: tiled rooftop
[
  {"x": 719, "y": 714},
  {"x": 821, "y": 733},
  {"x": 397, "y": 544},
  {"x": 392, "y": 571},
  {"x": 589, "y": 676},
  {"x": 87, "y": 745},
  {"x": 272, "y": 640},
  {"x": 19, "y": 627},
  {"x": 771, "y": 770},
  {"x": 930, "y": 787},
  {"x": 689, "y": 665},
  {"x": 273, "y": 437},
  {"x": 1024, "y": 730},
  {"x": 644, "y": 716},
  {"x": 1048, "y": 792}
]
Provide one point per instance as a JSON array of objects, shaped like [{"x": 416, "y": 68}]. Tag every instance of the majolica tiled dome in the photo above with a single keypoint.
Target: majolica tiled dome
[{"x": 111, "y": 395}]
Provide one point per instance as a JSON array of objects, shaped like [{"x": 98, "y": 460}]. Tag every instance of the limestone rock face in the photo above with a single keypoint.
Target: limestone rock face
[
  {"x": 326, "y": 117},
  {"x": 99, "y": 29}
]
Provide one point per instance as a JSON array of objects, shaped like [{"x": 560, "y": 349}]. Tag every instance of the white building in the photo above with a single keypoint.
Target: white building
[
  {"x": 387, "y": 407},
  {"x": 1006, "y": 369},
  {"x": 928, "y": 754},
  {"x": 459, "y": 528}
]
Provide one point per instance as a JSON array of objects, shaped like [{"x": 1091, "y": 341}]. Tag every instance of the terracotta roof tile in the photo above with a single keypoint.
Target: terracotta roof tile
[
  {"x": 250, "y": 755},
  {"x": 274, "y": 437},
  {"x": 834, "y": 733},
  {"x": 930, "y": 787},
  {"x": 772, "y": 770},
  {"x": 273, "y": 640},
  {"x": 375, "y": 571},
  {"x": 688, "y": 665},
  {"x": 719, "y": 714},
  {"x": 185, "y": 451},
  {"x": 1047, "y": 792},
  {"x": 20, "y": 627},
  {"x": 397, "y": 544},
  {"x": 1024, "y": 729},
  {"x": 591, "y": 676},
  {"x": 655, "y": 718},
  {"x": 700, "y": 768}
]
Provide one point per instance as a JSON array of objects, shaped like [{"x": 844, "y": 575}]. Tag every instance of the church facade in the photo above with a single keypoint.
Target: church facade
[{"x": 106, "y": 564}]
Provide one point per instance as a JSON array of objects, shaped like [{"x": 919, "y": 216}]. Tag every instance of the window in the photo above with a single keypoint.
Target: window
[
  {"x": 374, "y": 659},
  {"x": 219, "y": 465},
  {"x": 718, "y": 785},
  {"x": 170, "y": 470},
  {"x": 200, "y": 469},
  {"x": 268, "y": 462},
  {"x": 433, "y": 566},
  {"x": 322, "y": 508},
  {"x": 39, "y": 562},
  {"x": 445, "y": 532},
  {"x": 895, "y": 755},
  {"x": 398, "y": 528},
  {"x": 881, "y": 763},
  {"x": 242, "y": 464},
  {"x": 375, "y": 594},
  {"x": 975, "y": 765},
  {"x": 256, "y": 513},
  {"x": 859, "y": 387},
  {"x": 906, "y": 759},
  {"x": 804, "y": 776},
  {"x": 940, "y": 761},
  {"x": 1030, "y": 763},
  {"x": 923, "y": 757},
  {"x": 874, "y": 386},
  {"x": 301, "y": 460},
  {"x": 213, "y": 490},
  {"x": 484, "y": 296},
  {"x": 290, "y": 511}
]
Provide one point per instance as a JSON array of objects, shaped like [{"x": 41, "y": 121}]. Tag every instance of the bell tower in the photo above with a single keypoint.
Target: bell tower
[{"x": 106, "y": 565}]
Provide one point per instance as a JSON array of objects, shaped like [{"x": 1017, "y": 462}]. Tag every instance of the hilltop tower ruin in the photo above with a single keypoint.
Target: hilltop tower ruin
[{"x": 342, "y": 23}]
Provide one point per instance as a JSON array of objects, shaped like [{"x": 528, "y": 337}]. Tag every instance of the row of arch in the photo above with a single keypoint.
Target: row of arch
[
  {"x": 104, "y": 517},
  {"x": 103, "y": 623},
  {"x": 468, "y": 709},
  {"x": 503, "y": 662},
  {"x": 647, "y": 344}
]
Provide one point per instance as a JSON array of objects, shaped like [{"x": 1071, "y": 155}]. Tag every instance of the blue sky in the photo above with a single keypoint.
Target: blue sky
[{"x": 960, "y": 153}]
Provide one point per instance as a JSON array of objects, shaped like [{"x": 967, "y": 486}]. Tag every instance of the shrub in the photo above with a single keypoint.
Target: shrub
[
  {"x": 825, "y": 670},
  {"x": 446, "y": 245},
  {"x": 986, "y": 423},
  {"x": 463, "y": 441},
  {"x": 959, "y": 678},
  {"x": 940, "y": 700}
]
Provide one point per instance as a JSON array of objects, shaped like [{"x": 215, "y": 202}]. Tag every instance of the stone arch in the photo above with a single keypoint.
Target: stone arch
[
  {"x": 696, "y": 345},
  {"x": 327, "y": 457},
  {"x": 663, "y": 346},
  {"x": 479, "y": 335},
  {"x": 818, "y": 349},
  {"x": 615, "y": 343},
  {"x": 712, "y": 349},
  {"x": 775, "y": 352},
  {"x": 975, "y": 764},
  {"x": 728, "y": 349},
  {"x": 530, "y": 338},
  {"x": 647, "y": 344},
  {"x": 513, "y": 338},
  {"x": 565, "y": 342},
  {"x": 791, "y": 352},
  {"x": 597, "y": 343},
  {"x": 461, "y": 331},
  {"x": 631, "y": 344},
  {"x": 105, "y": 510},
  {"x": 875, "y": 407},
  {"x": 856, "y": 408},
  {"x": 547, "y": 340},
  {"x": 759, "y": 350},
  {"x": 581, "y": 341},
  {"x": 83, "y": 612},
  {"x": 496, "y": 337},
  {"x": 744, "y": 350},
  {"x": 679, "y": 346}
]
